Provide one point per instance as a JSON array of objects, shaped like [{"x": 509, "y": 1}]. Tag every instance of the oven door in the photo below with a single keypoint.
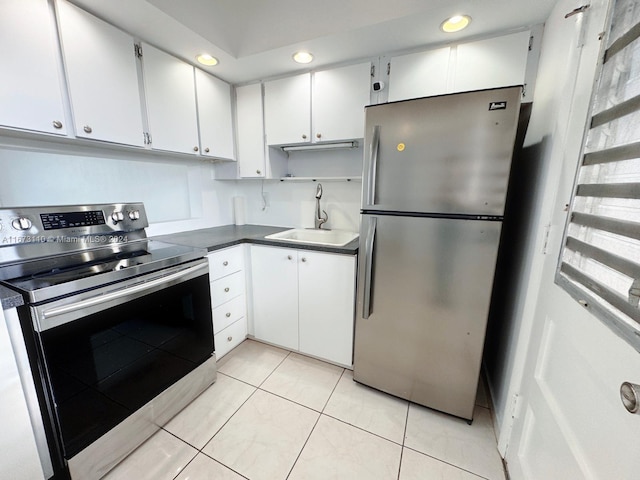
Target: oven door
[{"x": 108, "y": 352}]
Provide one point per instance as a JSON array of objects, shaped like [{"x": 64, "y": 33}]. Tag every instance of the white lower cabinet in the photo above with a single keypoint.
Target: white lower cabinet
[
  {"x": 304, "y": 300},
  {"x": 228, "y": 299}
]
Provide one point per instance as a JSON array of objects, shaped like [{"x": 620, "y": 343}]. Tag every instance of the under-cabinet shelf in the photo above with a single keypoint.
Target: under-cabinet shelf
[{"x": 324, "y": 179}]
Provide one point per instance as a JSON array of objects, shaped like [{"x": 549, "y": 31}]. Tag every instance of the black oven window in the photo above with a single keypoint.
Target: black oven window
[{"x": 105, "y": 366}]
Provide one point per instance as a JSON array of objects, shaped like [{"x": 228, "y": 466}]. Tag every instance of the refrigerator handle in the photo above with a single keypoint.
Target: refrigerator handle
[
  {"x": 372, "y": 167},
  {"x": 368, "y": 259}
]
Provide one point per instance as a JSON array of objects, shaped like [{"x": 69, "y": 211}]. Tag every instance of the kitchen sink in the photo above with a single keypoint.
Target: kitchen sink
[{"x": 334, "y": 238}]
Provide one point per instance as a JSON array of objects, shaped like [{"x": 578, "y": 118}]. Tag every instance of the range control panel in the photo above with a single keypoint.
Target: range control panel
[{"x": 64, "y": 223}]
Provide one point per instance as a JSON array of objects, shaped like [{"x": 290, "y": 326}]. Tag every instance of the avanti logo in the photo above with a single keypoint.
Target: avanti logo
[{"x": 497, "y": 106}]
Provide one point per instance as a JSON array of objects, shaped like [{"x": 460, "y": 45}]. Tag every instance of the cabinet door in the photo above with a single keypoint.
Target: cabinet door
[
  {"x": 103, "y": 80},
  {"x": 214, "y": 116},
  {"x": 418, "y": 75},
  {"x": 274, "y": 281},
  {"x": 326, "y": 305},
  {"x": 30, "y": 89},
  {"x": 171, "y": 102},
  {"x": 496, "y": 62},
  {"x": 339, "y": 98},
  {"x": 250, "y": 131},
  {"x": 287, "y": 110}
]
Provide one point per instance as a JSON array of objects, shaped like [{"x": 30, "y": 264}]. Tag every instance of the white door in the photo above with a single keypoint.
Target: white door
[
  {"x": 339, "y": 97},
  {"x": 287, "y": 110},
  {"x": 30, "y": 89},
  {"x": 171, "y": 101},
  {"x": 214, "y": 116},
  {"x": 570, "y": 422},
  {"x": 274, "y": 282},
  {"x": 326, "y": 305},
  {"x": 250, "y": 131},
  {"x": 103, "y": 79},
  {"x": 496, "y": 62}
]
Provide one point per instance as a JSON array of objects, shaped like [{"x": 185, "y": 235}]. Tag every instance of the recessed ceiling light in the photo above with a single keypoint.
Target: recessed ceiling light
[
  {"x": 455, "y": 23},
  {"x": 302, "y": 57},
  {"x": 206, "y": 59}
]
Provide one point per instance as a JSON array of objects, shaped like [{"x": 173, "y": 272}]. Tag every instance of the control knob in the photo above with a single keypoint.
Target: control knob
[
  {"x": 21, "y": 223},
  {"x": 134, "y": 214},
  {"x": 117, "y": 217}
]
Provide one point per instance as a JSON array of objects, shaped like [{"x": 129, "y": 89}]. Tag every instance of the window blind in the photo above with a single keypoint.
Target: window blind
[{"x": 600, "y": 261}]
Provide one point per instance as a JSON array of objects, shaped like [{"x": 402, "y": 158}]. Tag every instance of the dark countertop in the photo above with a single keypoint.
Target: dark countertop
[
  {"x": 220, "y": 237},
  {"x": 9, "y": 298}
]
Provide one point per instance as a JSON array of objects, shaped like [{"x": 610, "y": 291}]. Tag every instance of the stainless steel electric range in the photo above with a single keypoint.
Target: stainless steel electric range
[{"x": 115, "y": 336}]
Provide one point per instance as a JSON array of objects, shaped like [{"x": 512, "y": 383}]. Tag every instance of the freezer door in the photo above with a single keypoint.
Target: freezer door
[
  {"x": 424, "y": 287},
  {"x": 446, "y": 154}
]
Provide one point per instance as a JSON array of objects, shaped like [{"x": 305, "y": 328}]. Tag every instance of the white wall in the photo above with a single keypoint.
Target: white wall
[{"x": 178, "y": 194}]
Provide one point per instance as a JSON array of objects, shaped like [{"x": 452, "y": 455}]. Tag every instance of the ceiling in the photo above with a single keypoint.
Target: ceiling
[{"x": 254, "y": 39}]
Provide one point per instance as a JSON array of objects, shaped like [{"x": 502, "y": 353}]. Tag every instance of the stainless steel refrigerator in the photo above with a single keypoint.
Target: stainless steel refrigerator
[{"x": 435, "y": 179}]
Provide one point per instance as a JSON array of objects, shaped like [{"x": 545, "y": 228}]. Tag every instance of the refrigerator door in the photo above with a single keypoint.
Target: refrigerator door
[
  {"x": 449, "y": 154},
  {"x": 424, "y": 287}
]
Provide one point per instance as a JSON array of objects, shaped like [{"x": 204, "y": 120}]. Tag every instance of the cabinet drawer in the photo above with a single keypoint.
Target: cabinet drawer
[
  {"x": 226, "y": 288},
  {"x": 226, "y": 261},
  {"x": 230, "y": 337},
  {"x": 229, "y": 312}
]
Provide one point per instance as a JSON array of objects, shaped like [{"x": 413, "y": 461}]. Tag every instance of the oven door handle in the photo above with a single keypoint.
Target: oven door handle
[{"x": 128, "y": 293}]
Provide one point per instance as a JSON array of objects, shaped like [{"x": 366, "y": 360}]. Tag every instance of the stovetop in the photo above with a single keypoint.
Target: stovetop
[{"x": 52, "y": 277}]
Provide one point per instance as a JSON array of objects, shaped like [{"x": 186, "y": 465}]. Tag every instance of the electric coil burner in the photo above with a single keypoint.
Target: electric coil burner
[{"x": 116, "y": 331}]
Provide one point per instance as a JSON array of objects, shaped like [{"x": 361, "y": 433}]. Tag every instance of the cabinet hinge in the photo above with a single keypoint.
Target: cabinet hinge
[
  {"x": 137, "y": 50},
  {"x": 147, "y": 138},
  {"x": 547, "y": 231},
  {"x": 373, "y": 71},
  {"x": 531, "y": 43},
  {"x": 388, "y": 68},
  {"x": 517, "y": 406}
]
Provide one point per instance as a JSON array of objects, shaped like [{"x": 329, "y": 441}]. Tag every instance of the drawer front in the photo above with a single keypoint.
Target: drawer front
[
  {"x": 230, "y": 337},
  {"x": 226, "y": 261},
  {"x": 229, "y": 312},
  {"x": 226, "y": 288}
]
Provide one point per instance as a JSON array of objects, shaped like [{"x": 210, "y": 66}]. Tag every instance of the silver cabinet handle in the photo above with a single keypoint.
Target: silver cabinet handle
[
  {"x": 304, "y": 136},
  {"x": 195, "y": 149},
  {"x": 228, "y": 314},
  {"x": 304, "y": 259},
  {"x": 259, "y": 172},
  {"x": 368, "y": 258},
  {"x": 226, "y": 289},
  {"x": 318, "y": 135},
  {"x": 126, "y": 294},
  {"x": 289, "y": 257},
  {"x": 57, "y": 124},
  {"x": 630, "y": 396},
  {"x": 87, "y": 129},
  {"x": 225, "y": 263},
  {"x": 206, "y": 150},
  {"x": 229, "y": 338},
  {"x": 372, "y": 167}
]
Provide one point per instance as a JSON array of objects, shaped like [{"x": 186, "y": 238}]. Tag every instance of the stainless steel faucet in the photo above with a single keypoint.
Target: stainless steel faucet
[{"x": 320, "y": 219}]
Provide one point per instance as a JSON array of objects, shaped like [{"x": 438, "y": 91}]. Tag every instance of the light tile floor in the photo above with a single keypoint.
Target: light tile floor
[{"x": 275, "y": 415}]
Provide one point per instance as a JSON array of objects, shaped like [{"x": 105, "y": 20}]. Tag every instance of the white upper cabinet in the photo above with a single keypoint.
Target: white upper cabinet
[
  {"x": 287, "y": 110},
  {"x": 250, "y": 131},
  {"x": 214, "y": 116},
  {"x": 496, "y": 62},
  {"x": 339, "y": 98},
  {"x": 420, "y": 74},
  {"x": 101, "y": 69},
  {"x": 333, "y": 106},
  {"x": 30, "y": 88},
  {"x": 171, "y": 101}
]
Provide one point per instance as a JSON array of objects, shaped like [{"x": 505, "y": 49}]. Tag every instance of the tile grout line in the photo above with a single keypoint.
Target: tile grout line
[
  {"x": 332, "y": 391},
  {"x": 361, "y": 429},
  {"x": 303, "y": 446},
  {"x": 404, "y": 436}
]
